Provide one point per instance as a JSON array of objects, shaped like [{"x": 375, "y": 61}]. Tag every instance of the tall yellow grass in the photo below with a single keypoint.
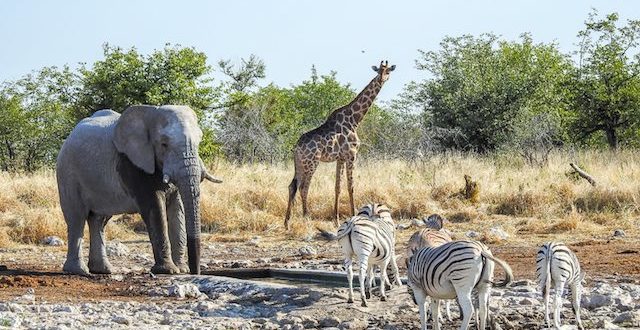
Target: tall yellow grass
[{"x": 525, "y": 200}]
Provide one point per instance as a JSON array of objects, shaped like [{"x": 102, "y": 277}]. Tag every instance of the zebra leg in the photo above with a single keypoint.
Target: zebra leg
[
  {"x": 466, "y": 305},
  {"x": 557, "y": 303},
  {"x": 483, "y": 306},
  {"x": 421, "y": 300},
  {"x": 383, "y": 278},
  {"x": 447, "y": 305},
  {"x": 363, "y": 272},
  {"x": 396, "y": 271},
  {"x": 369, "y": 281},
  {"x": 435, "y": 313},
  {"x": 576, "y": 292},
  {"x": 545, "y": 295},
  {"x": 348, "y": 265}
]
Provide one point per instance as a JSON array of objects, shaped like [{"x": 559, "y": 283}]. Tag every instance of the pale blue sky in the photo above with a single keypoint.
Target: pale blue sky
[{"x": 289, "y": 36}]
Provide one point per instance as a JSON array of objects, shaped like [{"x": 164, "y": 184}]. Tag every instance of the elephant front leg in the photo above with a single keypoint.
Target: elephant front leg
[
  {"x": 177, "y": 231},
  {"x": 155, "y": 217},
  {"x": 98, "y": 261}
]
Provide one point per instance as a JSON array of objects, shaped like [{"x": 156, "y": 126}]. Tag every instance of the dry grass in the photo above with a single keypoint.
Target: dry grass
[{"x": 253, "y": 199}]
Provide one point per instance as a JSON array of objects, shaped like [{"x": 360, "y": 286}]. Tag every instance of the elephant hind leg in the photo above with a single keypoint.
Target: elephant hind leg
[
  {"x": 75, "y": 216},
  {"x": 98, "y": 262}
]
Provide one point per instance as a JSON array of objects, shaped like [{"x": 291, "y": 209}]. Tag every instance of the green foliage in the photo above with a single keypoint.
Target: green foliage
[
  {"x": 486, "y": 89},
  {"x": 173, "y": 75},
  {"x": 607, "y": 83},
  {"x": 35, "y": 118}
]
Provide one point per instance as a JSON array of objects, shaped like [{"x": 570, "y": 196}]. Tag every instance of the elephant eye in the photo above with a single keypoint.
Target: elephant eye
[{"x": 164, "y": 145}]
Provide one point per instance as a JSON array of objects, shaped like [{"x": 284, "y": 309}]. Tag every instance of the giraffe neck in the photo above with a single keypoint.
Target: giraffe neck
[{"x": 361, "y": 104}]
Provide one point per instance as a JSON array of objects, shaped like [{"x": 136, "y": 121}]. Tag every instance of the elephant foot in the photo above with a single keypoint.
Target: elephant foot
[
  {"x": 165, "y": 268},
  {"x": 76, "y": 267},
  {"x": 183, "y": 268},
  {"x": 100, "y": 267}
]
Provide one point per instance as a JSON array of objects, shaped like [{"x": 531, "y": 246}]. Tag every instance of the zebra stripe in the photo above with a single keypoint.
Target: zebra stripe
[
  {"x": 370, "y": 236},
  {"x": 557, "y": 265},
  {"x": 454, "y": 270}
]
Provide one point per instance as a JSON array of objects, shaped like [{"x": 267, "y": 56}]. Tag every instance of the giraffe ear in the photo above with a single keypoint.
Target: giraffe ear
[
  {"x": 393, "y": 67},
  {"x": 375, "y": 68}
]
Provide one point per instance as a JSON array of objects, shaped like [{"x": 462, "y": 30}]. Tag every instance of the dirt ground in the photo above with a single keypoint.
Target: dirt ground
[{"x": 39, "y": 267}]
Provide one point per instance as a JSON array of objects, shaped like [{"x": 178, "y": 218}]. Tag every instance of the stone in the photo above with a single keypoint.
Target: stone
[
  {"x": 606, "y": 324},
  {"x": 121, "y": 320},
  {"x": 331, "y": 321},
  {"x": 529, "y": 302},
  {"x": 116, "y": 248},
  {"x": 595, "y": 300},
  {"x": 9, "y": 321},
  {"x": 498, "y": 232},
  {"x": 254, "y": 241},
  {"x": 627, "y": 319},
  {"x": 472, "y": 234},
  {"x": 618, "y": 233},
  {"x": 52, "y": 241},
  {"x": 307, "y": 251},
  {"x": 186, "y": 290}
]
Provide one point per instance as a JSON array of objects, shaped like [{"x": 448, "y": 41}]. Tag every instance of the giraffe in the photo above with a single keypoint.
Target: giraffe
[{"x": 335, "y": 140}]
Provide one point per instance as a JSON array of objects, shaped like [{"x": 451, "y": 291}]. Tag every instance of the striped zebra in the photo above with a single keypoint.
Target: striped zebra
[
  {"x": 454, "y": 270},
  {"x": 370, "y": 236},
  {"x": 557, "y": 265},
  {"x": 429, "y": 237}
]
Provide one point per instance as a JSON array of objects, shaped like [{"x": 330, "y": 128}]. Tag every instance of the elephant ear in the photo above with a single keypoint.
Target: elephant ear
[{"x": 132, "y": 137}]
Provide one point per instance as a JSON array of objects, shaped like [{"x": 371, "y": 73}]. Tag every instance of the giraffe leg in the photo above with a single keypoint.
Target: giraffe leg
[
  {"x": 339, "y": 166},
  {"x": 305, "y": 181},
  {"x": 350, "y": 184},
  {"x": 293, "y": 187}
]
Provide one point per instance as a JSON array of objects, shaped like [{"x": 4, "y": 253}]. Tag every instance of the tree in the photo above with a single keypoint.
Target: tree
[
  {"x": 607, "y": 85},
  {"x": 35, "y": 117},
  {"x": 173, "y": 75},
  {"x": 484, "y": 88}
]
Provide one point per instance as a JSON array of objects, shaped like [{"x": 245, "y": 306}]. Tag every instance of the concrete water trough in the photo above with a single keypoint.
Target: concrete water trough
[{"x": 291, "y": 276}]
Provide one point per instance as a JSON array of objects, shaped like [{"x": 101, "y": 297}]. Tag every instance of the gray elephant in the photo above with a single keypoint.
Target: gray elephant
[{"x": 144, "y": 161}]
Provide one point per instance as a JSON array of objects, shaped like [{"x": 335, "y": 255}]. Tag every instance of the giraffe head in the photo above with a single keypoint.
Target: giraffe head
[{"x": 384, "y": 70}]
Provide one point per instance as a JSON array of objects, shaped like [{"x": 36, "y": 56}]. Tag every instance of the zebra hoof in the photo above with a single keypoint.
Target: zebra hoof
[
  {"x": 364, "y": 304},
  {"x": 383, "y": 298},
  {"x": 350, "y": 300},
  {"x": 367, "y": 294}
]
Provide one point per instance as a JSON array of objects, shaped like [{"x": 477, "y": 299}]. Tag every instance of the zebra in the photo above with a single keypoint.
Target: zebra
[
  {"x": 429, "y": 237},
  {"x": 370, "y": 236},
  {"x": 557, "y": 265},
  {"x": 454, "y": 270}
]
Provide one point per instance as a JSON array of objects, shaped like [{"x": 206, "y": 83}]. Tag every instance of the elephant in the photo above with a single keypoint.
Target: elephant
[{"x": 144, "y": 161}]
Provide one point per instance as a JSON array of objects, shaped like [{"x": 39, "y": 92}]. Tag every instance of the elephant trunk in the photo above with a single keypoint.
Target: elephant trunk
[{"x": 189, "y": 187}]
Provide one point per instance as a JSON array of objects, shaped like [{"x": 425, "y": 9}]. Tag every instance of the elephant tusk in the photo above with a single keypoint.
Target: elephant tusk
[
  {"x": 165, "y": 178},
  {"x": 212, "y": 178}
]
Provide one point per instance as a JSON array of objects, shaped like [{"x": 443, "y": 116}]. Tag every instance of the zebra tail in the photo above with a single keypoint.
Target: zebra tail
[
  {"x": 508, "y": 277},
  {"x": 547, "y": 275},
  {"x": 327, "y": 235}
]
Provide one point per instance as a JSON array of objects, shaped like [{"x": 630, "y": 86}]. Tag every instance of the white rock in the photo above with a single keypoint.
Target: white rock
[
  {"x": 498, "y": 232},
  {"x": 116, "y": 248},
  {"x": 53, "y": 241},
  {"x": 307, "y": 250},
  {"x": 618, "y": 233},
  {"x": 186, "y": 290}
]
